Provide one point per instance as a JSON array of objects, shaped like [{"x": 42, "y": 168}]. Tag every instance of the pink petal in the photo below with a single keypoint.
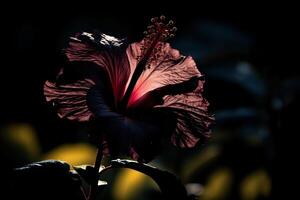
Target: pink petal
[
  {"x": 172, "y": 70},
  {"x": 114, "y": 62},
  {"x": 70, "y": 99},
  {"x": 106, "y": 53},
  {"x": 193, "y": 120},
  {"x": 169, "y": 68}
]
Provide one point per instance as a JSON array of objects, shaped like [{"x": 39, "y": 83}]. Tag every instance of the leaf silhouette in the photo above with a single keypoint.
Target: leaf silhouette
[
  {"x": 86, "y": 172},
  {"x": 87, "y": 175},
  {"x": 49, "y": 179},
  {"x": 170, "y": 186}
]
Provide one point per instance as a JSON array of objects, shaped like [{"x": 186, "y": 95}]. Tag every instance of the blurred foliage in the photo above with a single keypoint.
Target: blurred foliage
[
  {"x": 130, "y": 184},
  {"x": 218, "y": 185},
  {"x": 256, "y": 185},
  {"x": 19, "y": 144},
  {"x": 199, "y": 161},
  {"x": 74, "y": 154},
  {"x": 47, "y": 179}
]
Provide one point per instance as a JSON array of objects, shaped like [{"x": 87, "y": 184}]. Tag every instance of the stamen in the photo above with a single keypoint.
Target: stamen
[{"x": 157, "y": 32}]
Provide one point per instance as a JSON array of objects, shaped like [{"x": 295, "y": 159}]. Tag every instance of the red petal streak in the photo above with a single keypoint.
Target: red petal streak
[
  {"x": 170, "y": 68},
  {"x": 116, "y": 64}
]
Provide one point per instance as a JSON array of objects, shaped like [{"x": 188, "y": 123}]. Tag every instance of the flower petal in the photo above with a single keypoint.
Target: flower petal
[
  {"x": 193, "y": 120},
  {"x": 169, "y": 68},
  {"x": 174, "y": 84},
  {"x": 69, "y": 99},
  {"x": 138, "y": 137},
  {"x": 185, "y": 102},
  {"x": 107, "y": 52},
  {"x": 91, "y": 59}
]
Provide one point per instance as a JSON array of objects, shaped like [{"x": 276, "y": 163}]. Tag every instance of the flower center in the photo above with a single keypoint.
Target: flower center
[{"x": 157, "y": 32}]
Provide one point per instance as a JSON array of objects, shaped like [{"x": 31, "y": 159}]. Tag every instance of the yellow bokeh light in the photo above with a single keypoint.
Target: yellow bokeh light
[
  {"x": 129, "y": 181},
  {"x": 255, "y": 185},
  {"x": 219, "y": 185},
  {"x": 19, "y": 140},
  {"x": 74, "y": 154}
]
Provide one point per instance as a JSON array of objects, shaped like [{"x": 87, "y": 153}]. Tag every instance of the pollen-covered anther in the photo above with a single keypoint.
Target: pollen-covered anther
[
  {"x": 162, "y": 17},
  {"x": 151, "y": 31},
  {"x": 154, "y": 19},
  {"x": 160, "y": 24},
  {"x": 150, "y": 27},
  {"x": 170, "y": 23},
  {"x": 156, "y": 33},
  {"x": 174, "y": 29}
]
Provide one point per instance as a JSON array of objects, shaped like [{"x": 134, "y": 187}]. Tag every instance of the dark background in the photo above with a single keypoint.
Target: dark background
[{"x": 33, "y": 36}]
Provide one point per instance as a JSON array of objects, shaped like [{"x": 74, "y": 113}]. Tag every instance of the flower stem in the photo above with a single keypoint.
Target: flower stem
[{"x": 94, "y": 184}]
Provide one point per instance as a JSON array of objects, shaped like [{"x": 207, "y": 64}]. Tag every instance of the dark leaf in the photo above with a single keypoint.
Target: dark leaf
[
  {"x": 170, "y": 186},
  {"x": 48, "y": 179},
  {"x": 85, "y": 172}
]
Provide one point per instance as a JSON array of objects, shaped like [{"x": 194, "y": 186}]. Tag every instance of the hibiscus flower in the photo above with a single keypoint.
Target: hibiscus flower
[{"x": 138, "y": 94}]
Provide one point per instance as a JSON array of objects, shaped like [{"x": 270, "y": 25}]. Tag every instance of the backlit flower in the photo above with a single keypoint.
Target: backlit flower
[{"x": 138, "y": 93}]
